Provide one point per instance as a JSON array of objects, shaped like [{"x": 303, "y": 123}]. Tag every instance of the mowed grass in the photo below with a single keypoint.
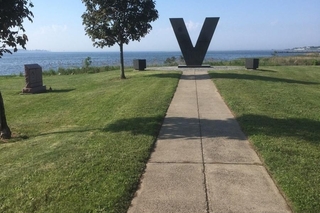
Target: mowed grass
[
  {"x": 83, "y": 146},
  {"x": 278, "y": 108}
]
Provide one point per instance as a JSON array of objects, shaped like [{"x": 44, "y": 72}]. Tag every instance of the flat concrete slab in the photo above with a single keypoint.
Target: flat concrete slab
[
  {"x": 172, "y": 131},
  {"x": 177, "y": 151},
  {"x": 171, "y": 188},
  {"x": 228, "y": 128},
  {"x": 202, "y": 161},
  {"x": 242, "y": 188},
  {"x": 228, "y": 151},
  {"x": 179, "y": 111}
]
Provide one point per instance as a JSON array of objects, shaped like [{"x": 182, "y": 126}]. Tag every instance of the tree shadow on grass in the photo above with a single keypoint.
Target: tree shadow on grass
[
  {"x": 49, "y": 91},
  {"x": 15, "y": 138},
  {"x": 164, "y": 75},
  {"x": 60, "y": 90},
  {"x": 303, "y": 129},
  {"x": 174, "y": 127},
  {"x": 149, "y": 126},
  {"x": 193, "y": 128},
  {"x": 259, "y": 78},
  {"x": 75, "y": 130},
  {"x": 265, "y": 70}
]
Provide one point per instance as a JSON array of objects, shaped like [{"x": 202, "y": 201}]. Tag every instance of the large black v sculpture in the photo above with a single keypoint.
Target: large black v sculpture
[{"x": 194, "y": 56}]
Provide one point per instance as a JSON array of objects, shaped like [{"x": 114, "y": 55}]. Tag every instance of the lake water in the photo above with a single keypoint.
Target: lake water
[{"x": 14, "y": 64}]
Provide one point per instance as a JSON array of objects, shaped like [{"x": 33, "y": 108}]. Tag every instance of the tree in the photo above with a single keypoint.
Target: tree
[
  {"x": 108, "y": 22},
  {"x": 12, "y": 14},
  {"x": 5, "y": 131}
]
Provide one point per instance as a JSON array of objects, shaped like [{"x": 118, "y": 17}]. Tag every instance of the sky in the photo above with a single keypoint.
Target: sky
[{"x": 243, "y": 25}]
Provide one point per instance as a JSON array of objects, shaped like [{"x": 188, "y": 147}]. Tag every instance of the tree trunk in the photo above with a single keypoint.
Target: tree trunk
[
  {"x": 5, "y": 132},
  {"x": 122, "y": 76}
]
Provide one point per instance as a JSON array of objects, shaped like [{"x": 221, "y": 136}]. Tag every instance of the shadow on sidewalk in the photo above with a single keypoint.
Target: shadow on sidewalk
[
  {"x": 178, "y": 127},
  {"x": 175, "y": 75},
  {"x": 189, "y": 128}
]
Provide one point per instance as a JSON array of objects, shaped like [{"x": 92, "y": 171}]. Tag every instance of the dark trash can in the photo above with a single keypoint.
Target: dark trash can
[
  {"x": 139, "y": 64},
  {"x": 252, "y": 63}
]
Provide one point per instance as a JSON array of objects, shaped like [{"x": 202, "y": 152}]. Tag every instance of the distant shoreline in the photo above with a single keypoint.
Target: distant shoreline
[
  {"x": 166, "y": 51},
  {"x": 14, "y": 64},
  {"x": 298, "y": 51}
]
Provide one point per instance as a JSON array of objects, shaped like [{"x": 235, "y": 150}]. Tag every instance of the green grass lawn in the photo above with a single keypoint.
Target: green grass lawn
[
  {"x": 83, "y": 146},
  {"x": 278, "y": 108}
]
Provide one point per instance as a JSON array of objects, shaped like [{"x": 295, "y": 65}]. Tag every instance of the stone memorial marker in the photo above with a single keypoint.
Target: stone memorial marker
[{"x": 33, "y": 75}]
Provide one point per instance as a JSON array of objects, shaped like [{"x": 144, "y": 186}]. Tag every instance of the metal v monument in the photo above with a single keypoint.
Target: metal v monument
[{"x": 194, "y": 56}]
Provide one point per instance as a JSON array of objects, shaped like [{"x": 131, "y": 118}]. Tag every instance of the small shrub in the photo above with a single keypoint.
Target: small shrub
[
  {"x": 49, "y": 72},
  {"x": 87, "y": 62},
  {"x": 109, "y": 68},
  {"x": 316, "y": 62},
  {"x": 62, "y": 71},
  {"x": 171, "y": 61}
]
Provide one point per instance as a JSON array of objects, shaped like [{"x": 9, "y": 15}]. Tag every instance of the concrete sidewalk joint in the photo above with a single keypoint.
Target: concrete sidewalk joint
[{"x": 202, "y": 151}]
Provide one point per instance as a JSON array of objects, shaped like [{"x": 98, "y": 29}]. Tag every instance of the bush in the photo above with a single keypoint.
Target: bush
[
  {"x": 236, "y": 62},
  {"x": 87, "y": 62},
  {"x": 316, "y": 62},
  {"x": 171, "y": 61}
]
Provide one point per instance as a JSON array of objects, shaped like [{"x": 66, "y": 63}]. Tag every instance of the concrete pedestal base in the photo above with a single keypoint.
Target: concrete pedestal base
[
  {"x": 34, "y": 90},
  {"x": 194, "y": 66}
]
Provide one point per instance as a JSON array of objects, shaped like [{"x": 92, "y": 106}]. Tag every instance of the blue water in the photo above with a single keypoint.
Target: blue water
[{"x": 14, "y": 64}]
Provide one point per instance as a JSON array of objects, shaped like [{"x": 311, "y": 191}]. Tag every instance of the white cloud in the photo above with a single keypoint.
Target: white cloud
[
  {"x": 274, "y": 23},
  {"x": 53, "y": 29},
  {"x": 192, "y": 26},
  {"x": 59, "y": 28},
  {"x": 49, "y": 37}
]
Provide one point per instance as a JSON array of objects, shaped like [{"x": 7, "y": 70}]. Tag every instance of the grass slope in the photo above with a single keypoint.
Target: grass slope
[
  {"x": 279, "y": 110},
  {"x": 83, "y": 146}
]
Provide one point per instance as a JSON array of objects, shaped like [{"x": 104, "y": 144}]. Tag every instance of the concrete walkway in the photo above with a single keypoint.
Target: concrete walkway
[{"x": 202, "y": 160}]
